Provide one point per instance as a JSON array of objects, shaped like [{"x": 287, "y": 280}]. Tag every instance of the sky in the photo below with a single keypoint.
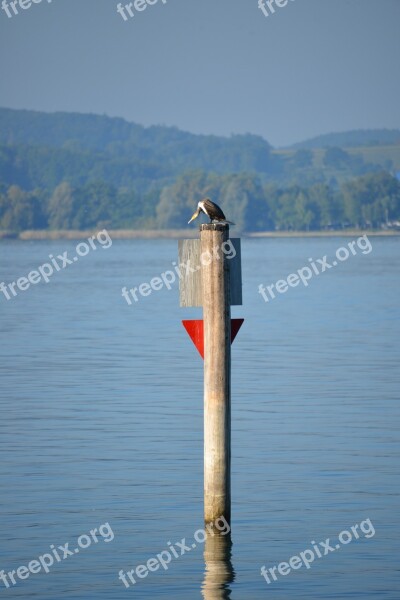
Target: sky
[{"x": 209, "y": 66}]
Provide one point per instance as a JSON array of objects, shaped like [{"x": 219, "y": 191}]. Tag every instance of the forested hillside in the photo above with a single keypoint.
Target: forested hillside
[
  {"x": 355, "y": 138},
  {"x": 73, "y": 171}
]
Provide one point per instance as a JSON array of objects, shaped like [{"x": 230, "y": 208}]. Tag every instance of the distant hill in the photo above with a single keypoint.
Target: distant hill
[
  {"x": 175, "y": 150},
  {"x": 351, "y": 139}
]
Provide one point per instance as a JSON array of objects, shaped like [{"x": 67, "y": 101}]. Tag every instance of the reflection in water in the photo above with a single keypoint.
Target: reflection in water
[{"x": 218, "y": 567}]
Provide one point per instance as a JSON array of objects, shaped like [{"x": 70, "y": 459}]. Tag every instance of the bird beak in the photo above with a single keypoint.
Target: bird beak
[{"x": 196, "y": 214}]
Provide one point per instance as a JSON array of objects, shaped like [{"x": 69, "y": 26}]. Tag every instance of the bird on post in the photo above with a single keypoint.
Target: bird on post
[{"x": 212, "y": 210}]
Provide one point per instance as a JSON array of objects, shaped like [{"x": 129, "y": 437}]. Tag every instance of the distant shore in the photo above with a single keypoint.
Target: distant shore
[{"x": 151, "y": 234}]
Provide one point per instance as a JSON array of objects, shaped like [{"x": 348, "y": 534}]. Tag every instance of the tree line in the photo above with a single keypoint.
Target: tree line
[{"x": 372, "y": 200}]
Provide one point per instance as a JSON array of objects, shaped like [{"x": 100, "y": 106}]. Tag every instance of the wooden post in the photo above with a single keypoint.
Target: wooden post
[
  {"x": 217, "y": 372},
  {"x": 211, "y": 277}
]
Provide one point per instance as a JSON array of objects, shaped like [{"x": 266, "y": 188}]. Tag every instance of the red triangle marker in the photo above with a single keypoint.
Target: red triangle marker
[{"x": 195, "y": 329}]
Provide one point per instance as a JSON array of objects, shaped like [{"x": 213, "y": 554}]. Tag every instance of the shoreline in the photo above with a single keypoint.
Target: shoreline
[{"x": 151, "y": 234}]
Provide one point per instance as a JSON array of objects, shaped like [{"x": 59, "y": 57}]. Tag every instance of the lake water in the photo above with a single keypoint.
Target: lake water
[{"x": 102, "y": 423}]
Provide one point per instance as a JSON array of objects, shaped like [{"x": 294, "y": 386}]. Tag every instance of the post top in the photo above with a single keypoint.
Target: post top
[{"x": 214, "y": 227}]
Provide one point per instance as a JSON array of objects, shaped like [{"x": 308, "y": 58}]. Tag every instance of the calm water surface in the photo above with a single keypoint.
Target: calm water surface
[{"x": 101, "y": 422}]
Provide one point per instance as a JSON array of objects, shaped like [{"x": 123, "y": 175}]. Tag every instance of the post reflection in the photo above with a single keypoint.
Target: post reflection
[{"x": 219, "y": 571}]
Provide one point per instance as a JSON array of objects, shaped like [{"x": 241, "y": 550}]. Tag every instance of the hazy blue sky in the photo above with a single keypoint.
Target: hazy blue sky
[{"x": 210, "y": 66}]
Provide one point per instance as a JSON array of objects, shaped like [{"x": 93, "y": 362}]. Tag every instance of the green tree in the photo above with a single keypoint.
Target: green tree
[
  {"x": 303, "y": 158},
  {"x": 244, "y": 203},
  {"x": 95, "y": 204},
  {"x": 372, "y": 200},
  {"x": 61, "y": 207},
  {"x": 328, "y": 205},
  {"x": 20, "y": 210},
  {"x": 336, "y": 158}
]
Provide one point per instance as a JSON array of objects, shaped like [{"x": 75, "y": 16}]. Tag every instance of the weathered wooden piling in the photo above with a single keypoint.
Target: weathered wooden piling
[
  {"x": 217, "y": 372},
  {"x": 214, "y": 281}
]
